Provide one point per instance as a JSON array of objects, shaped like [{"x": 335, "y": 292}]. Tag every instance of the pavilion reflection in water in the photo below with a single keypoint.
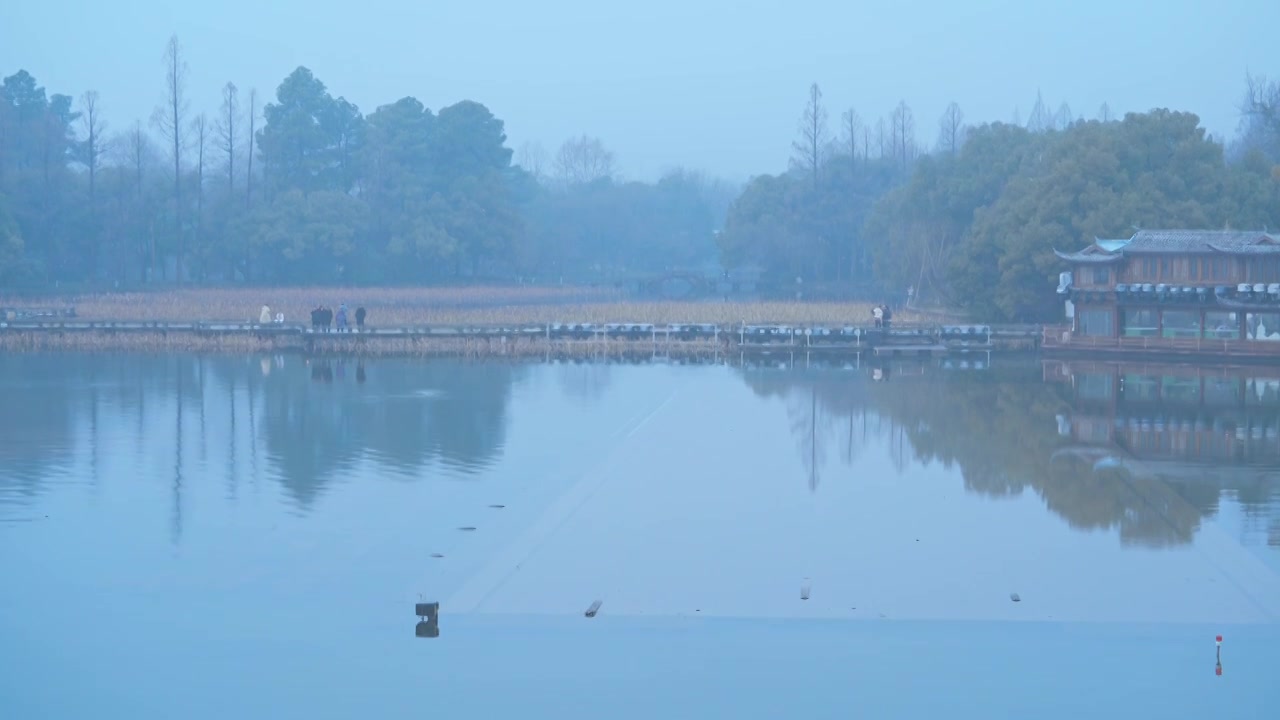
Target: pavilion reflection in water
[
  {"x": 1164, "y": 417},
  {"x": 1197, "y": 430}
]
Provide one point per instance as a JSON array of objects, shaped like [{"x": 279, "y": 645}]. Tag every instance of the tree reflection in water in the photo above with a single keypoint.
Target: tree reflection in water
[
  {"x": 1096, "y": 448},
  {"x": 312, "y": 419}
]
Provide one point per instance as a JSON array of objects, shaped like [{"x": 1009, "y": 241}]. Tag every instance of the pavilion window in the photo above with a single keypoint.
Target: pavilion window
[
  {"x": 1180, "y": 323},
  {"x": 1262, "y": 326},
  {"x": 1139, "y": 323},
  {"x": 1096, "y": 323},
  {"x": 1266, "y": 270},
  {"x": 1221, "y": 326},
  {"x": 1221, "y": 269}
]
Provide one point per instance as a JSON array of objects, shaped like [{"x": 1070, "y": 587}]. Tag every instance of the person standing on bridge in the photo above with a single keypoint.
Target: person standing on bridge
[
  {"x": 264, "y": 317},
  {"x": 342, "y": 317},
  {"x": 360, "y": 319}
]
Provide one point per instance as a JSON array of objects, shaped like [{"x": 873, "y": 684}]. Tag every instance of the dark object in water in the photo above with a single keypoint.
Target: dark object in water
[
  {"x": 1014, "y": 597},
  {"x": 436, "y": 555},
  {"x": 595, "y": 608},
  {"x": 804, "y": 590},
  {"x": 497, "y": 507},
  {"x": 428, "y": 619},
  {"x": 468, "y": 528}
]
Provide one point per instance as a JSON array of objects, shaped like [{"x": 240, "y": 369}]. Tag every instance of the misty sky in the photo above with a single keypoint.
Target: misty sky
[{"x": 716, "y": 85}]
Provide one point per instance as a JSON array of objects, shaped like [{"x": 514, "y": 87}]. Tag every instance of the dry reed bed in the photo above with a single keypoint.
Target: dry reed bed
[
  {"x": 393, "y": 307},
  {"x": 391, "y": 304},
  {"x": 94, "y": 341}
]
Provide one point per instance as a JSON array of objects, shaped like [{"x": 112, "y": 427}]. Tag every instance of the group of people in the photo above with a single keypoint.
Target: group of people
[
  {"x": 324, "y": 318},
  {"x": 881, "y": 315}
]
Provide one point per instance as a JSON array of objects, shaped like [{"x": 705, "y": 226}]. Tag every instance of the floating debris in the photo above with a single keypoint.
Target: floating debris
[
  {"x": 595, "y": 608},
  {"x": 467, "y": 528},
  {"x": 1014, "y": 597},
  {"x": 497, "y": 507},
  {"x": 436, "y": 555},
  {"x": 804, "y": 590}
]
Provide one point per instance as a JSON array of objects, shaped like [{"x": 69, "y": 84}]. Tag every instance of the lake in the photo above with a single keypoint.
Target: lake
[{"x": 213, "y": 537}]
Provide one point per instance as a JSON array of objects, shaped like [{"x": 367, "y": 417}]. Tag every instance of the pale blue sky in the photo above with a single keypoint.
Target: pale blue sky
[{"x": 716, "y": 85}]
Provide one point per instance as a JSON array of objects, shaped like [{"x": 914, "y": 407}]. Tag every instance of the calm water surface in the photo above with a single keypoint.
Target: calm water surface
[{"x": 246, "y": 537}]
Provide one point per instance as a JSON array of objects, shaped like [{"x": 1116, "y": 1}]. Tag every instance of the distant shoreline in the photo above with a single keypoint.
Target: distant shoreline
[
  {"x": 409, "y": 307},
  {"x": 227, "y": 320}
]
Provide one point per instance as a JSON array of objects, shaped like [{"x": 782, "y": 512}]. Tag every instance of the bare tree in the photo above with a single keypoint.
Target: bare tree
[
  {"x": 228, "y": 121},
  {"x": 1040, "y": 120},
  {"x": 248, "y": 175},
  {"x": 882, "y": 139},
  {"x": 91, "y": 152},
  {"x": 904, "y": 133},
  {"x": 1260, "y": 116},
  {"x": 809, "y": 147},
  {"x": 202, "y": 130},
  {"x": 533, "y": 158},
  {"x": 138, "y": 152},
  {"x": 851, "y": 127},
  {"x": 582, "y": 160},
  {"x": 1104, "y": 113},
  {"x": 1262, "y": 100},
  {"x": 951, "y": 129},
  {"x": 1062, "y": 119},
  {"x": 170, "y": 119},
  {"x": 94, "y": 126}
]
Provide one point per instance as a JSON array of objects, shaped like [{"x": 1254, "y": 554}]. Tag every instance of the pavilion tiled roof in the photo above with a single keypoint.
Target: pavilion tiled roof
[
  {"x": 1144, "y": 242},
  {"x": 1195, "y": 241}
]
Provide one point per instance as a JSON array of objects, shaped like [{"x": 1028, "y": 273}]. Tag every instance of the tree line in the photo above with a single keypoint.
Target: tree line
[
  {"x": 973, "y": 223},
  {"x": 303, "y": 187}
]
